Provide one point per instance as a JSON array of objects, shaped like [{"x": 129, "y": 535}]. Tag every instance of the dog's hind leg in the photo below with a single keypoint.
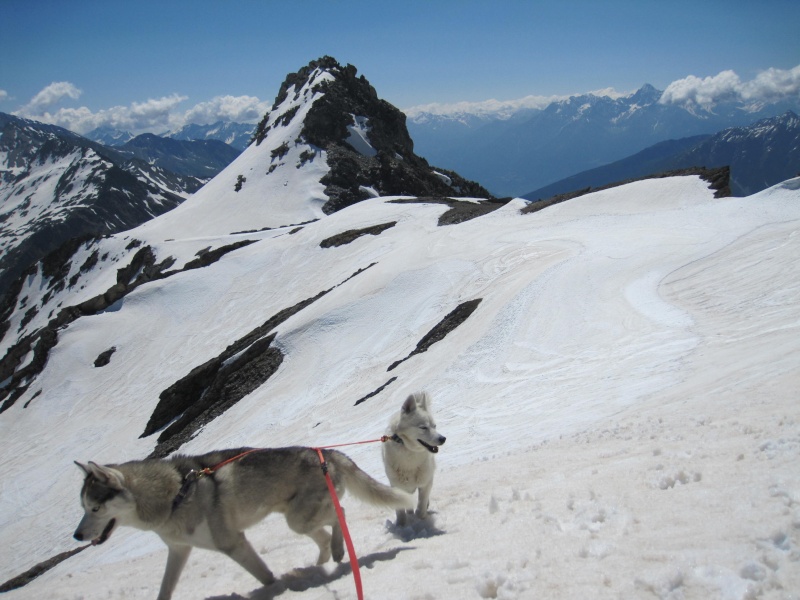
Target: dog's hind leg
[
  {"x": 176, "y": 560},
  {"x": 309, "y": 517},
  {"x": 402, "y": 517},
  {"x": 337, "y": 542},
  {"x": 323, "y": 541},
  {"x": 243, "y": 553}
]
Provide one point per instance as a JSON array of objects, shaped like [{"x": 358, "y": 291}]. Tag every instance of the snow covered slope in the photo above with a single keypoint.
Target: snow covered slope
[{"x": 620, "y": 407}]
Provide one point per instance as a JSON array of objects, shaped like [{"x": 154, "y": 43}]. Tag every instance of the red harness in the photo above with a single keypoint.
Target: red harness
[{"x": 193, "y": 476}]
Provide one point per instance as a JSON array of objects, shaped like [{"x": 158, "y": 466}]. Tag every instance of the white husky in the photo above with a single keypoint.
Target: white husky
[{"x": 408, "y": 456}]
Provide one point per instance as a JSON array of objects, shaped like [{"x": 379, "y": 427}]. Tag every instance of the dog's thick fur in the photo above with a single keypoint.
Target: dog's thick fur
[
  {"x": 408, "y": 456},
  {"x": 217, "y": 508}
]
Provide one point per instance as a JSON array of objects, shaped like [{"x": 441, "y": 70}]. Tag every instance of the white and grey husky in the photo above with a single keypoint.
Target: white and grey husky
[
  {"x": 187, "y": 506},
  {"x": 408, "y": 456}
]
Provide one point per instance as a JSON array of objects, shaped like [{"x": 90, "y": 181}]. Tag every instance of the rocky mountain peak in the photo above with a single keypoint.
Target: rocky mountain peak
[
  {"x": 365, "y": 139},
  {"x": 646, "y": 95}
]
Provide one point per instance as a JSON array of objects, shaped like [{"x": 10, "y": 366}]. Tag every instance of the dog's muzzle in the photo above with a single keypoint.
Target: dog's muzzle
[
  {"x": 433, "y": 449},
  {"x": 102, "y": 537}
]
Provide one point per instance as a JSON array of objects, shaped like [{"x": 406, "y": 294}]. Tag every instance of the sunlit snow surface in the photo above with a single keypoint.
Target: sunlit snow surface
[{"x": 621, "y": 409}]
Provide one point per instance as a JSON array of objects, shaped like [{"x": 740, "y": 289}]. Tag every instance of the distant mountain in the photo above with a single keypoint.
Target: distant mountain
[
  {"x": 56, "y": 185},
  {"x": 108, "y": 136},
  {"x": 196, "y": 158},
  {"x": 234, "y": 134},
  {"x": 759, "y": 155},
  {"x": 513, "y": 153},
  {"x": 237, "y": 135}
]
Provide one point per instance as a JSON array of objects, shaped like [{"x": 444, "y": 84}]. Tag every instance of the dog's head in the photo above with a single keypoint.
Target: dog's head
[
  {"x": 417, "y": 426},
  {"x": 106, "y": 502}
]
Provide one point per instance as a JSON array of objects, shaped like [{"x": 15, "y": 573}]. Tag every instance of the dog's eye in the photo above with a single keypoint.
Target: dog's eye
[
  {"x": 96, "y": 509},
  {"x": 423, "y": 427}
]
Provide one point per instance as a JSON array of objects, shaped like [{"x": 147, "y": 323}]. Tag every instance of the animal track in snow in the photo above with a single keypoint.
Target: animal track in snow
[{"x": 669, "y": 481}]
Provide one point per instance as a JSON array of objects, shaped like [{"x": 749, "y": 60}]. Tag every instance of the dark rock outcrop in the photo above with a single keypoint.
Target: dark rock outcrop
[
  {"x": 452, "y": 320},
  {"x": 213, "y": 387},
  {"x": 351, "y": 235}
]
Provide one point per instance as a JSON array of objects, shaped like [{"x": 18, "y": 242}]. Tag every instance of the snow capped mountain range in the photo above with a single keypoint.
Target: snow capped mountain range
[
  {"x": 620, "y": 399},
  {"x": 237, "y": 135},
  {"x": 56, "y": 185},
  {"x": 512, "y": 152}
]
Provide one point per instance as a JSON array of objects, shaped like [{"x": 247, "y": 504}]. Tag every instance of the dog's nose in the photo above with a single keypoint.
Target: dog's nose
[
  {"x": 442, "y": 439},
  {"x": 78, "y": 536}
]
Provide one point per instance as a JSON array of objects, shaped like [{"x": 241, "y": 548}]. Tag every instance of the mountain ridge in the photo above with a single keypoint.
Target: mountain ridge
[
  {"x": 568, "y": 136},
  {"x": 55, "y": 185},
  {"x": 760, "y": 155}
]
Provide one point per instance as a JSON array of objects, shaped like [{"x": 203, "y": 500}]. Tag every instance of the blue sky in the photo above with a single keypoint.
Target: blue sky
[{"x": 201, "y": 56}]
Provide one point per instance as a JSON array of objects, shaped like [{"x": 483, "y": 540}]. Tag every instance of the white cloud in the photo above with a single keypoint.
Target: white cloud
[
  {"x": 496, "y": 109},
  {"x": 241, "y": 109},
  {"x": 773, "y": 84},
  {"x": 154, "y": 115},
  {"x": 610, "y": 92},
  {"x": 768, "y": 86},
  {"x": 487, "y": 108},
  {"x": 49, "y": 96},
  {"x": 3, "y": 94}
]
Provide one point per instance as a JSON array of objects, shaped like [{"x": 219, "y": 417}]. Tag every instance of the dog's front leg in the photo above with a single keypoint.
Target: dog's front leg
[
  {"x": 176, "y": 560},
  {"x": 423, "y": 500},
  {"x": 243, "y": 553}
]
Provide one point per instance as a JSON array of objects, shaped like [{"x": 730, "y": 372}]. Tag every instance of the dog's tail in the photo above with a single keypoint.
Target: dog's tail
[{"x": 367, "y": 489}]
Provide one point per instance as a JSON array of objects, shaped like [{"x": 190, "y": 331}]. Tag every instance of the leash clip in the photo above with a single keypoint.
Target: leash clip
[{"x": 186, "y": 486}]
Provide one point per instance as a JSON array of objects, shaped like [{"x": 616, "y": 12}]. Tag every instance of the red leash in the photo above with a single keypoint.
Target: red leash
[{"x": 351, "y": 551}]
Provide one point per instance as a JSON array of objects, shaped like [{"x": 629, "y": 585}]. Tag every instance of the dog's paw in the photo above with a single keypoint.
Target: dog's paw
[{"x": 338, "y": 554}]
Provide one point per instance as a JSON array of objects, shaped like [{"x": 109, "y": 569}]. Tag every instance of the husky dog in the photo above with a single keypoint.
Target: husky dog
[
  {"x": 187, "y": 506},
  {"x": 408, "y": 456}
]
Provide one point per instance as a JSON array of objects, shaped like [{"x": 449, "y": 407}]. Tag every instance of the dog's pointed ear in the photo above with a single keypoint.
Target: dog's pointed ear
[
  {"x": 85, "y": 468},
  {"x": 424, "y": 400},
  {"x": 108, "y": 476},
  {"x": 410, "y": 405}
]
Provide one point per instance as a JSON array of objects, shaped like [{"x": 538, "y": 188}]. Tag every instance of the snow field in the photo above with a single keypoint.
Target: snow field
[{"x": 621, "y": 408}]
